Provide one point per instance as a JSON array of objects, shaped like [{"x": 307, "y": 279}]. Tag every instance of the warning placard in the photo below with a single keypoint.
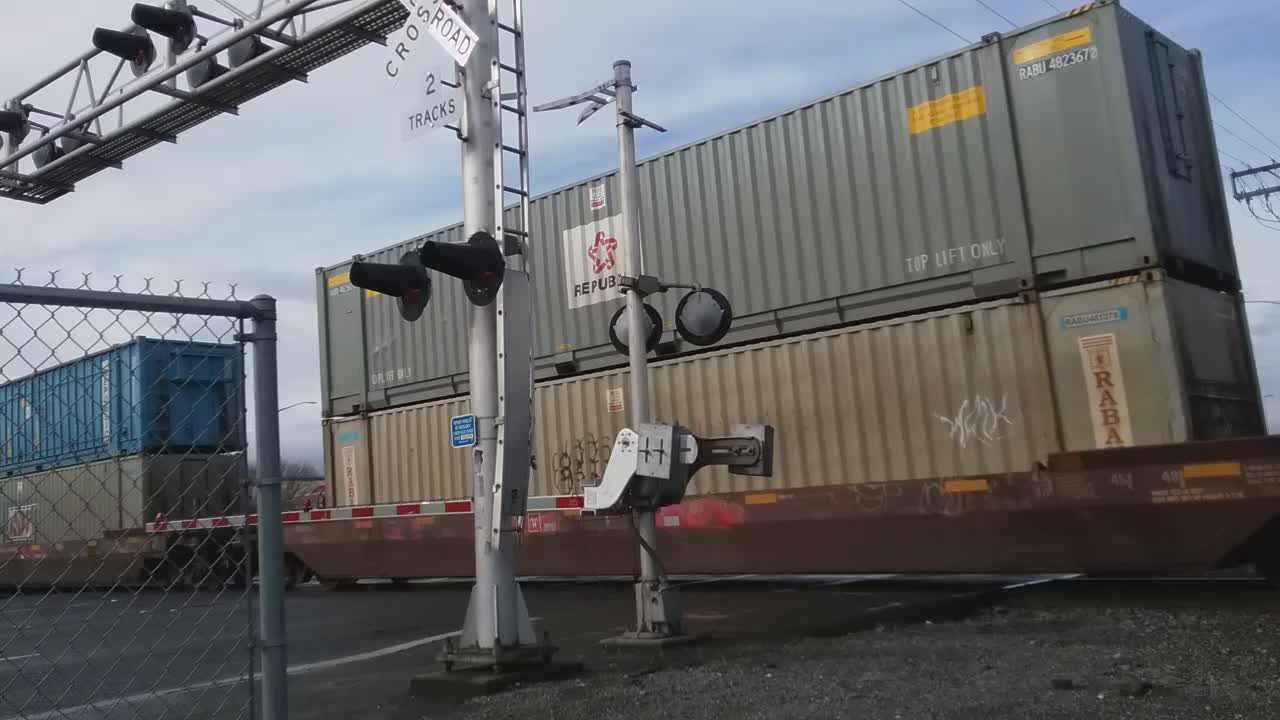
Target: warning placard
[
  {"x": 615, "y": 400},
  {"x": 350, "y": 480},
  {"x": 595, "y": 259},
  {"x": 20, "y": 525},
  {"x": 1104, "y": 381}
]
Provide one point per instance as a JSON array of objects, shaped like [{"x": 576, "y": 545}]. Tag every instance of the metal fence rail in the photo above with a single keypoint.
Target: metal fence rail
[{"x": 118, "y": 408}]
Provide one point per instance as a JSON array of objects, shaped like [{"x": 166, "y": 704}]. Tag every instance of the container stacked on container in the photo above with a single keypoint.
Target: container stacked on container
[
  {"x": 104, "y": 442},
  {"x": 944, "y": 270}
]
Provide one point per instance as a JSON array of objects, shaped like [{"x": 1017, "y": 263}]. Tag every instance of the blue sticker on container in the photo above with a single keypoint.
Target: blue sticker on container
[
  {"x": 462, "y": 431},
  {"x": 348, "y": 437},
  {"x": 1098, "y": 317}
]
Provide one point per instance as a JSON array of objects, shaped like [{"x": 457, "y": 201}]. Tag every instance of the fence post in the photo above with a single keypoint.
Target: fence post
[{"x": 266, "y": 436}]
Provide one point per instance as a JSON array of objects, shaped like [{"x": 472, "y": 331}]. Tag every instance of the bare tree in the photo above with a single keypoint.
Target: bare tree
[{"x": 301, "y": 481}]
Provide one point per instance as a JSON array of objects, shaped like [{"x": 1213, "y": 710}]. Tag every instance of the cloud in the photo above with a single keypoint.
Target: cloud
[{"x": 313, "y": 173}]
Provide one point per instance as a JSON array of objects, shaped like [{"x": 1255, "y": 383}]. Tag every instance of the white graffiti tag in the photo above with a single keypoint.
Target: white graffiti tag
[{"x": 977, "y": 421}]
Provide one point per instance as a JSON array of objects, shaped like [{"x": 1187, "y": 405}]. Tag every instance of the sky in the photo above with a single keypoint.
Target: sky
[{"x": 315, "y": 172}]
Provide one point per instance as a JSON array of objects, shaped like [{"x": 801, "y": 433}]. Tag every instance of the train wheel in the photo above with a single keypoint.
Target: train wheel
[{"x": 295, "y": 573}]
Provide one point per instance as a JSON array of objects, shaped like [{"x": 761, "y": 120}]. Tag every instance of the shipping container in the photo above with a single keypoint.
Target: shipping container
[
  {"x": 988, "y": 388},
  {"x": 143, "y": 396},
  {"x": 1070, "y": 150},
  {"x": 90, "y": 501}
]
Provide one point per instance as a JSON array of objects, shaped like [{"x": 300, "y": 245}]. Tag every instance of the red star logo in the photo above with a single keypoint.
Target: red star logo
[{"x": 602, "y": 253}]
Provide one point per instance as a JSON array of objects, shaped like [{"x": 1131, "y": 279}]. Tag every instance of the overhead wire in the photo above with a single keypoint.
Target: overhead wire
[
  {"x": 1055, "y": 7},
  {"x": 997, "y": 13},
  {"x": 1233, "y": 157},
  {"x": 1237, "y": 136},
  {"x": 934, "y": 20},
  {"x": 1244, "y": 120}
]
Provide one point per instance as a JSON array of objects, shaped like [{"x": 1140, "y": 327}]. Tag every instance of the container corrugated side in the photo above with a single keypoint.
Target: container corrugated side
[
  {"x": 987, "y": 388},
  {"x": 81, "y": 503},
  {"x": 142, "y": 396},
  {"x": 1041, "y": 159},
  {"x": 961, "y": 392}
]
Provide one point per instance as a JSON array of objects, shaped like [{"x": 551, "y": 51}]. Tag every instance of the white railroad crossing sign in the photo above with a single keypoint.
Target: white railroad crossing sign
[
  {"x": 433, "y": 100},
  {"x": 433, "y": 18}
]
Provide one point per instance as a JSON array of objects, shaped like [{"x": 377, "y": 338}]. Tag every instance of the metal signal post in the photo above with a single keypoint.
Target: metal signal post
[
  {"x": 497, "y": 634},
  {"x": 651, "y": 463}
]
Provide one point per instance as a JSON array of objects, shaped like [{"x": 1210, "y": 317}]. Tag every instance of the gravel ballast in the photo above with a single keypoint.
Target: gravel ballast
[{"x": 1020, "y": 662}]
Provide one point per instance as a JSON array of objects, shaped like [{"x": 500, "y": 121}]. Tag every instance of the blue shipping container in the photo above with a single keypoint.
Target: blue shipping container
[{"x": 144, "y": 396}]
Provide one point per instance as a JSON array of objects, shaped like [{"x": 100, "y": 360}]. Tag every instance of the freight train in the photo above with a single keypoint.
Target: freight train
[
  {"x": 96, "y": 447},
  {"x": 990, "y": 304}
]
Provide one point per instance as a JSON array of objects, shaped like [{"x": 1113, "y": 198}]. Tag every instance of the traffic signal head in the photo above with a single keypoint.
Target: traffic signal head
[
  {"x": 407, "y": 281},
  {"x": 478, "y": 263},
  {"x": 703, "y": 317},
  {"x": 14, "y": 122},
  {"x": 204, "y": 71},
  {"x": 177, "y": 25},
  {"x": 246, "y": 50},
  {"x": 620, "y": 329},
  {"x": 134, "y": 47}
]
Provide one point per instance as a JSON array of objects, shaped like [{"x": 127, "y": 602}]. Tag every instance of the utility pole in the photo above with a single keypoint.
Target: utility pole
[{"x": 1265, "y": 191}]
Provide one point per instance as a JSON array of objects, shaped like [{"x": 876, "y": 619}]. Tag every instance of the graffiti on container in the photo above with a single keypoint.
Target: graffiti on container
[
  {"x": 977, "y": 421},
  {"x": 580, "y": 462},
  {"x": 874, "y": 498}
]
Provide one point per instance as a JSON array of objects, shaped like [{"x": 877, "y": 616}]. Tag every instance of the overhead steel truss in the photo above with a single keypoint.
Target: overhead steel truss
[{"x": 100, "y": 124}]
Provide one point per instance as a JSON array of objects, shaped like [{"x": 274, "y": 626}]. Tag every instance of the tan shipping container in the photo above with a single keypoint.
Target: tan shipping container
[
  {"x": 985, "y": 388},
  {"x": 81, "y": 503}
]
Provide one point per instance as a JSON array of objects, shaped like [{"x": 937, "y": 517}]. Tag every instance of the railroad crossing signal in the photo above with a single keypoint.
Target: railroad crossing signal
[{"x": 478, "y": 263}]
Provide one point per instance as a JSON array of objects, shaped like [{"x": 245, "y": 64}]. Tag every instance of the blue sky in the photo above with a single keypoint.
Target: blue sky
[{"x": 315, "y": 172}]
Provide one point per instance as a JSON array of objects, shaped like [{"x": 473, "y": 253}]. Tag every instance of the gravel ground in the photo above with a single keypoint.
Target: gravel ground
[{"x": 1054, "y": 662}]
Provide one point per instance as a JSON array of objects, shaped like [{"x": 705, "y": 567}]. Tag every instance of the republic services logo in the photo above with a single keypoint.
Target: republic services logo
[{"x": 603, "y": 253}]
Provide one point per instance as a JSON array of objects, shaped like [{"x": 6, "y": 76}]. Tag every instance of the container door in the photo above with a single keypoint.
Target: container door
[
  {"x": 1221, "y": 395},
  {"x": 1115, "y": 365}
]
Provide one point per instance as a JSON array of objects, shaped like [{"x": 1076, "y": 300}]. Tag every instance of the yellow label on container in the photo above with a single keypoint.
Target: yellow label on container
[
  {"x": 762, "y": 499},
  {"x": 1212, "y": 470},
  {"x": 339, "y": 279},
  {"x": 1051, "y": 45},
  {"x": 967, "y": 485},
  {"x": 946, "y": 110}
]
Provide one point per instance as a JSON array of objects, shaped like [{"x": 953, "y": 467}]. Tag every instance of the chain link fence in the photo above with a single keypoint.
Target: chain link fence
[{"x": 124, "y": 416}]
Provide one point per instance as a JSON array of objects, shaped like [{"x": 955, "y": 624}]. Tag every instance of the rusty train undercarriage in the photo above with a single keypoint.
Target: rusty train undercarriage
[{"x": 1189, "y": 507}]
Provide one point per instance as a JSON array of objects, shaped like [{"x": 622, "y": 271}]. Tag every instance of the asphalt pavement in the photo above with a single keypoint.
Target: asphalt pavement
[{"x": 352, "y": 653}]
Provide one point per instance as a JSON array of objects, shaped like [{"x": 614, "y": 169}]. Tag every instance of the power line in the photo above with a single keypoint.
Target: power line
[
  {"x": 1055, "y": 7},
  {"x": 995, "y": 12},
  {"x": 934, "y": 20},
  {"x": 1244, "y": 120},
  {"x": 1236, "y": 135},
  {"x": 1233, "y": 157}
]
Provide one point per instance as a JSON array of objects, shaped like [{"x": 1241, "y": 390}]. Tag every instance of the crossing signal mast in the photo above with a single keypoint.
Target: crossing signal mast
[
  {"x": 652, "y": 463},
  {"x": 269, "y": 44},
  {"x": 497, "y": 634}
]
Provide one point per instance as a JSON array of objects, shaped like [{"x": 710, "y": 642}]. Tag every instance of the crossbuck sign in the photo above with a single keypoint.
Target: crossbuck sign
[{"x": 438, "y": 20}]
